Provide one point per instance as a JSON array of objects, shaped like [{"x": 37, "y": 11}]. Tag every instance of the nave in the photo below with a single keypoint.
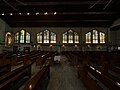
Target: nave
[
  {"x": 63, "y": 76},
  {"x": 38, "y": 70}
]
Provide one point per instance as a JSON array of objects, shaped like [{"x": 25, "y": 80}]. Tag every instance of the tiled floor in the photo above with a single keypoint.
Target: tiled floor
[{"x": 63, "y": 76}]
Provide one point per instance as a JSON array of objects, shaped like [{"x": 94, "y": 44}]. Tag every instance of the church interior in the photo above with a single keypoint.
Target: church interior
[{"x": 59, "y": 45}]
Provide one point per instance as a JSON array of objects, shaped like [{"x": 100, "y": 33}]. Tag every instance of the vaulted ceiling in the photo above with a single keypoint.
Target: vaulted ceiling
[{"x": 59, "y": 13}]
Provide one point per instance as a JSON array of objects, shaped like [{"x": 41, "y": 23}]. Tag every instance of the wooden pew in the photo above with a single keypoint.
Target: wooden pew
[
  {"x": 115, "y": 69},
  {"x": 89, "y": 82},
  {"x": 71, "y": 57},
  {"x": 4, "y": 64},
  {"x": 41, "y": 59},
  {"x": 109, "y": 72},
  {"x": 10, "y": 79},
  {"x": 108, "y": 82},
  {"x": 5, "y": 69},
  {"x": 31, "y": 57},
  {"x": 36, "y": 81}
]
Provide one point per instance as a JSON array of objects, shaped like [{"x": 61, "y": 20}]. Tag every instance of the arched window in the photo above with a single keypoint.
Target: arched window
[
  {"x": 70, "y": 37},
  {"x": 102, "y": 37},
  {"x": 76, "y": 38},
  {"x": 8, "y": 39},
  {"x": 39, "y": 37},
  {"x": 46, "y": 37},
  {"x": 95, "y": 37},
  {"x": 27, "y": 37},
  {"x": 22, "y": 37},
  {"x": 17, "y": 37},
  {"x": 53, "y": 37},
  {"x": 65, "y": 37},
  {"x": 88, "y": 37}
]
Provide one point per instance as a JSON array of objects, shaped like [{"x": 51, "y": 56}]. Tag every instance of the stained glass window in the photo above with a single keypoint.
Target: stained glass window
[
  {"x": 17, "y": 37},
  {"x": 65, "y": 37},
  {"x": 95, "y": 36},
  {"x": 53, "y": 37},
  {"x": 70, "y": 36},
  {"x": 88, "y": 37},
  {"x": 27, "y": 37},
  {"x": 76, "y": 38},
  {"x": 102, "y": 37},
  {"x": 46, "y": 36},
  {"x": 39, "y": 37},
  {"x": 22, "y": 36}
]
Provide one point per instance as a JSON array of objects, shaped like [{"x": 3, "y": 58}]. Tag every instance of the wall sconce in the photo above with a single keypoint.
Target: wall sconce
[
  {"x": 76, "y": 46},
  {"x": 51, "y": 46},
  {"x": 88, "y": 46},
  {"x": 63, "y": 45}
]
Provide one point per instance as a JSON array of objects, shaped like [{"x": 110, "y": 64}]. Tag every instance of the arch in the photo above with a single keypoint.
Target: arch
[
  {"x": 46, "y": 36},
  {"x": 102, "y": 37},
  {"x": 88, "y": 37},
  {"x": 76, "y": 37},
  {"x": 64, "y": 36},
  {"x": 22, "y": 36},
  {"x": 27, "y": 37},
  {"x": 70, "y": 36},
  {"x": 8, "y": 39},
  {"x": 39, "y": 37},
  {"x": 17, "y": 37},
  {"x": 95, "y": 37},
  {"x": 52, "y": 37}
]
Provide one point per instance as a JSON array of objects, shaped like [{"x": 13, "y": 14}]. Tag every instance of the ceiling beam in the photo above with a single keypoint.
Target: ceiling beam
[
  {"x": 55, "y": 3},
  {"x": 63, "y": 21},
  {"x": 63, "y": 13}
]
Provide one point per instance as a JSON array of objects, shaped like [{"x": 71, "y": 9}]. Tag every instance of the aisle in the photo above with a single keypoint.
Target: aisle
[{"x": 63, "y": 76}]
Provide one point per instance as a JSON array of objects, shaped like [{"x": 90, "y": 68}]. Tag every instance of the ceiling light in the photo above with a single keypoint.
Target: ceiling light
[
  {"x": 45, "y": 13},
  {"x": 55, "y": 13},
  {"x": 19, "y": 13},
  {"x": 3, "y": 14},
  {"x": 11, "y": 14},
  {"x": 37, "y": 13},
  {"x": 28, "y": 13}
]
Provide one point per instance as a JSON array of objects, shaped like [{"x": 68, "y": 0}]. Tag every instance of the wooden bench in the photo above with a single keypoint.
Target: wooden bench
[
  {"x": 31, "y": 56},
  {"x": 89, "y": 82},
  {"x": 36, "y": 81},
  {"x": 10, "y": 79},
  {"x": 108, "y": 82},
  {"x": 41, "y": 59},
  {"x": 4, "y": 64},
  {"x": 115, "y": 69}
]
